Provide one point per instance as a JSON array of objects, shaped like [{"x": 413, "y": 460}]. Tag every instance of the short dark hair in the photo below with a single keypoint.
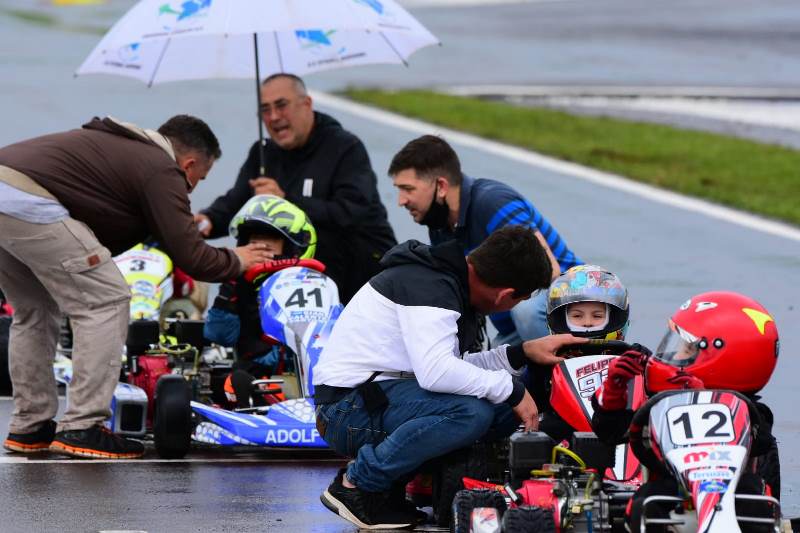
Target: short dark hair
[
  {"x": 190, "y": 133},
  {"x": 429, "y": 156},
  {"x": 299, "y": 84},
  {"x": 512, "y": 257}
]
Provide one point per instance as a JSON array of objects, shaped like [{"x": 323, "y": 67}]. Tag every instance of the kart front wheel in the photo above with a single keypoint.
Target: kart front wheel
[
  {"x": 467, "y": 501},
  {"x": 172, "y": 417},
  {"x": 529, "y": 519}
]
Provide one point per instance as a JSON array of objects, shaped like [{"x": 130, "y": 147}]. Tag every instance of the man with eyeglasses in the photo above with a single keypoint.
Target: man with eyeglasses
[{"x": 325, "y": 170}]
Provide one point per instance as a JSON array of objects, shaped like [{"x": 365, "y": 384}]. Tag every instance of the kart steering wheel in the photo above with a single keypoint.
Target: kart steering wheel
[
  {"x": 594, "y": 347},
  {"x": 268, "y": 267}
]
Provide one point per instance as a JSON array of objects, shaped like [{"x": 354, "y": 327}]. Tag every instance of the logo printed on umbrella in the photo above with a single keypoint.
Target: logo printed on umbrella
[
  {"x": 316, "y": 40},
  {"x": 386, "y": 14},
  {"x": 188, "y": 10},
  {"x": 130, "y": 53},
  {"x": 321, "y": 44},
  {"x": 374, "y": 4}
]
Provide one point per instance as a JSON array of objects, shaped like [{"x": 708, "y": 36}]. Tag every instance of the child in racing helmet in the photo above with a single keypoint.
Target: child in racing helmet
[
  {"x": 234, "y": 318},
  {"x": 586, "y": 301},
  {"x": 716, "y": 340}
]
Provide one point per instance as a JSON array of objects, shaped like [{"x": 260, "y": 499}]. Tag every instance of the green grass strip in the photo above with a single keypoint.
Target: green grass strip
[{"x": 747, "y": 175}]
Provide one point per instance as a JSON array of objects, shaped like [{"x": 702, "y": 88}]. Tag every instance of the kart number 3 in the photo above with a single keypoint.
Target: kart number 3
[{"x": 700, "y": 423}]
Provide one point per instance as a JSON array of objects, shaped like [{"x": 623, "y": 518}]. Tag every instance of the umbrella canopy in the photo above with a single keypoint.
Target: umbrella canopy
[{"x": 159, "y": 41}]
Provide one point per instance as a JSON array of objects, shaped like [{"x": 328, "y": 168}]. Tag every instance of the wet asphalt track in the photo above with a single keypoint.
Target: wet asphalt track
[{"x": 663, "y": 253}]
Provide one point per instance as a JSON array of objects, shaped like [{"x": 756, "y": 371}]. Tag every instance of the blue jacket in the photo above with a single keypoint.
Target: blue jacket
[{"x": 486, "y": 205}]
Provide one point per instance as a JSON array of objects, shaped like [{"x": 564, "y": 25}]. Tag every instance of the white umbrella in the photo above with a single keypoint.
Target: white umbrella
[
  {"x": 159, "y": 41},
  {"x": 169, "y": 40}
]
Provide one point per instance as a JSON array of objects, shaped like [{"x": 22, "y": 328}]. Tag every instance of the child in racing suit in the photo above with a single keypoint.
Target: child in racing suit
[
  {"x": 586, "y": 301},
  {"x": 716, "y": 340},
  {"x": 234, "y": 318}
]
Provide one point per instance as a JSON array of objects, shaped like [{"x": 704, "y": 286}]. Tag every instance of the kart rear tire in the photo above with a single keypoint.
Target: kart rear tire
[
  {"x": 5, "y": 375},
  {"x": 172, "y": 417},
  {"x": 529, "y": 519},
  {"x": 447, "y": 480},
  {"x": 467, "y": 500}
]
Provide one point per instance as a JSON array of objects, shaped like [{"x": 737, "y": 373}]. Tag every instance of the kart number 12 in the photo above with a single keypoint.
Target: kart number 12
[{"x": 700, "y": 423}]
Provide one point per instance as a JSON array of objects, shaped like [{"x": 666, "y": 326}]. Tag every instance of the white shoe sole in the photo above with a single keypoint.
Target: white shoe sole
[{"x": 339, "y": 508}]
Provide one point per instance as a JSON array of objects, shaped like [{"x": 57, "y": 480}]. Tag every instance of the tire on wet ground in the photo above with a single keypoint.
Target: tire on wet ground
[
  {"x": 466, "y": 501},
  {"x": 172, "y": 417},
  {"x": 528, "y": 519},
  {"x": 448, "y": 478}
]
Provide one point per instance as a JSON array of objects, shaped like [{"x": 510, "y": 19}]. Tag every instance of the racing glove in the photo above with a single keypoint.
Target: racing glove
[
  {"x": 227, "y": 300},
  {"x": 613, "y": 394}
]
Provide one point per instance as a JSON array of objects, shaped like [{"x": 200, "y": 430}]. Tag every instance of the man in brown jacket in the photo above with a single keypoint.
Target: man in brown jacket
[{"x": 68, "y": 202}]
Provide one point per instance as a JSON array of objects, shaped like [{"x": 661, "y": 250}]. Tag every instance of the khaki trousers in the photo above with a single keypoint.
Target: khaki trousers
[{"x": 46, "y": 269}]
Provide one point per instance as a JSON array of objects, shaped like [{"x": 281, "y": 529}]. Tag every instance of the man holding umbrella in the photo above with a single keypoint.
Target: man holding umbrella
[{"x": 323, "y": 169}]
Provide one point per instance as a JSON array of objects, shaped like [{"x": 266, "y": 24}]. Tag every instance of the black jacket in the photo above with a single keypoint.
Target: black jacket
[
  {"x": 416, "y": 316},
  {"x": 431, "y": 275},
  {"x": 353, "y": 231}
]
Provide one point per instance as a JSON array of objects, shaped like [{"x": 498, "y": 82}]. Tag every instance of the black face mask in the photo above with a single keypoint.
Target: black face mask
[{"x": 436, "y": 217}]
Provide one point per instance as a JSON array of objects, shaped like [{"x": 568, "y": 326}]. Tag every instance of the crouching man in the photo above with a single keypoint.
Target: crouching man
[{"x": 393, "y": 389}]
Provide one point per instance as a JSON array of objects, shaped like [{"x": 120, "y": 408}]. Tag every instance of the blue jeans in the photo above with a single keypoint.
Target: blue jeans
[
  {"x": 417, "y": 425},
  {"x": 530, "y": 320}
]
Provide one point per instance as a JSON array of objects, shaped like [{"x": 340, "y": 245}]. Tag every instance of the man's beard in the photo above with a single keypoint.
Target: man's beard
[{"x": 437, "y": 215}]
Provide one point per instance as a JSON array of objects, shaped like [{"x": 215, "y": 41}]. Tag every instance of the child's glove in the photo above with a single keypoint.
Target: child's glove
[
  {"x": 227, "y": 300},
  {"x": 613, "y": 394}
]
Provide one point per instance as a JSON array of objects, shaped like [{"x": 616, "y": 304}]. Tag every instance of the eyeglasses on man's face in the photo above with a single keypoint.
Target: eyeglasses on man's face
[{"x": 279, "y": 106}]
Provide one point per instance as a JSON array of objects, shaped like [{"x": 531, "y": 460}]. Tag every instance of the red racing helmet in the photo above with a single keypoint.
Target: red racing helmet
[{"x": 724, "y": 339}]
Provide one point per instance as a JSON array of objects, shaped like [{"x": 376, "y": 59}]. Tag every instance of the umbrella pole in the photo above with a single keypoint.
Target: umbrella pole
[{"x": 262, "y": 167}]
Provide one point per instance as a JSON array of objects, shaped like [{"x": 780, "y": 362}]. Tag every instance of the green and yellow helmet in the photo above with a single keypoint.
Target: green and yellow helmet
[{"x": 268, "y": 214}]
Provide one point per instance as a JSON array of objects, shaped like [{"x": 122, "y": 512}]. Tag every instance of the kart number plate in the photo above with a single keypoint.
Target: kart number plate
[{"x": 700, "y": 423}]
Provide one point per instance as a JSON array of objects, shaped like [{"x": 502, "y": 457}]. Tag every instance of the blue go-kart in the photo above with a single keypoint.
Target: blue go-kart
[{"x": 298, "y": 306}]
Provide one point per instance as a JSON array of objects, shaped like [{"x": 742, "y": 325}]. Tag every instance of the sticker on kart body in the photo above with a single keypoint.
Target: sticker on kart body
[
  {"x": 700, "y": 424},
  {"x": 292, "y": 436},
  {"x": 714, "y": 486},
  {"x": 709, "y": 474}
]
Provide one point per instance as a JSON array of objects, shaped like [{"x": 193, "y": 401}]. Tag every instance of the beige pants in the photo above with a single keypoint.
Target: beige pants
[{"x": 44, "y": 268}]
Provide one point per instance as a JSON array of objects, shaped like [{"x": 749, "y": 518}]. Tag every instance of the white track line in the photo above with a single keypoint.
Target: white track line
[{"x": 605, "y": 179}]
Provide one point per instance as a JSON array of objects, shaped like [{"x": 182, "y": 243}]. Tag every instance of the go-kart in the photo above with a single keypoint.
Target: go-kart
[
  {"x": 155, "y": 309},
  {"x": 703, "y": 438},
  {"x": 579, "y": 484},
  {"x": 152, "y": 278},
  {"x": 298, "y": 306}
]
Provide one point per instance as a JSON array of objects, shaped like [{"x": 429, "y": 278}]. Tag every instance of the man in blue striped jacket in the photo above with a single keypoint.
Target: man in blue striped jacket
[{"x": 431, "y": 186}]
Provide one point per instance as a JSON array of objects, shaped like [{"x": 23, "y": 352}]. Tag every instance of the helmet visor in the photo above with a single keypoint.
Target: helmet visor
[{"x": 678, "y": 347}]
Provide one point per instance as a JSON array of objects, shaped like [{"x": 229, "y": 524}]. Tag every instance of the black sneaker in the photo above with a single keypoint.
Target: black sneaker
[
  {"x": 366, "y": 510},
  {"x": 38, "y": 441},
  {"x": 97, "y": 442}
]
